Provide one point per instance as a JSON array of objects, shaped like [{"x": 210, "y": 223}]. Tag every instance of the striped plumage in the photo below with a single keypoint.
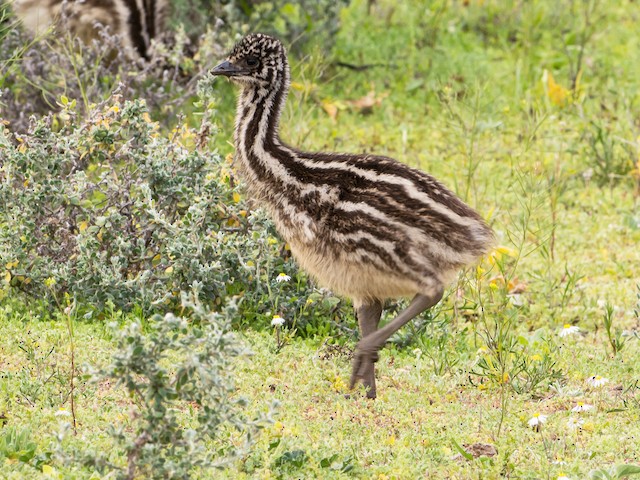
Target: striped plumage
[
  {"x": 135, "y": 22},
  {"x": 365, "y": 226}
]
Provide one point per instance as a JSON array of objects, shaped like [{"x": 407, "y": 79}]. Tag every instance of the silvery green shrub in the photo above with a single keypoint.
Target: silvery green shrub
[
  {"x": 36, "y": 72},
  {"x": 111, "y": 210},
  {"x": 299, "y": 23},
  {"x": 178, "y": 373}
]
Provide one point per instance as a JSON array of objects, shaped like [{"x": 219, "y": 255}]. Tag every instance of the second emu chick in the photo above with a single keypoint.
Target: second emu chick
[
  {"x": 365, "y": 226},
  {"x": 135, "y": 22}
]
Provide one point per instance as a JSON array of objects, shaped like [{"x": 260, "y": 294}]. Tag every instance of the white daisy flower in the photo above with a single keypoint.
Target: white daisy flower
[
  {"x": 282, "y": 277},
  {"x": 568, "y": 330},
  {"x": 537, "y": 420},
  {"x": 277, "y": 321},
  {"x": 597, "y": 381},
  {"x": 562, "y": 476},
  {"x": 62, "y": 413},
  {"x": 582, "y": 407},
  {"x": 516, "y": 299},
  {"x": 574, "y": 423}
]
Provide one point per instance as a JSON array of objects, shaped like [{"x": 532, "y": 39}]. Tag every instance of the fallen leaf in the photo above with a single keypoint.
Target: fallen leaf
[
  {"x": 480, "y": 449},
  {"x": 330, "y": 108},
  {"x": 365, "y": 104}
]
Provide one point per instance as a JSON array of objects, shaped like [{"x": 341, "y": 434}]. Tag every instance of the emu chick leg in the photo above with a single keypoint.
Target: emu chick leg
[
  {"x": 367, "y": 349},
  {"x": 368, "y": 319}
]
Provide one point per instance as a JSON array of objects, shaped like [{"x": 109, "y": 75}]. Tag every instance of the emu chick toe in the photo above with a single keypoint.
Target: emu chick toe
[{"x": 363, "y": 367}]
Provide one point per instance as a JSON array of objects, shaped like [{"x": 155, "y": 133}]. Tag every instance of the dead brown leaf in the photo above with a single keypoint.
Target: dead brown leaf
[
  {"x": 480, "y": 449},
  {"x": 330, "y": 108},
  {"x": 366, "y": 104}
]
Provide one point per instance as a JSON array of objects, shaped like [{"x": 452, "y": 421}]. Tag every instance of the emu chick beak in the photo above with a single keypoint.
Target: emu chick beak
[{"x": 227, "y": 69}]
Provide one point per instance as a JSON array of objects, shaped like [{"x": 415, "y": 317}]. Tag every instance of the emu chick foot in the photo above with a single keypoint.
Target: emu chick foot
[{"x": 363, "y": 368}]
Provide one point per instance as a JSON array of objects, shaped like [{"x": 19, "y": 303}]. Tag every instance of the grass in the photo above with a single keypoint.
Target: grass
[
  {"x": 411, "y": 430},
  {"x": 462, "y": 94}
]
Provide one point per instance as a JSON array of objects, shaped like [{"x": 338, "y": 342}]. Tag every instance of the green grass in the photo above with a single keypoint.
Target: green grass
[
  {"x": 408, "y": 432},
  {"x": 462, "y": 97}
]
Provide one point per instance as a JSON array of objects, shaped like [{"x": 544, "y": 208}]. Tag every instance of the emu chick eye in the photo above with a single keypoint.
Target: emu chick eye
[{"x": 251, "y": 61}]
